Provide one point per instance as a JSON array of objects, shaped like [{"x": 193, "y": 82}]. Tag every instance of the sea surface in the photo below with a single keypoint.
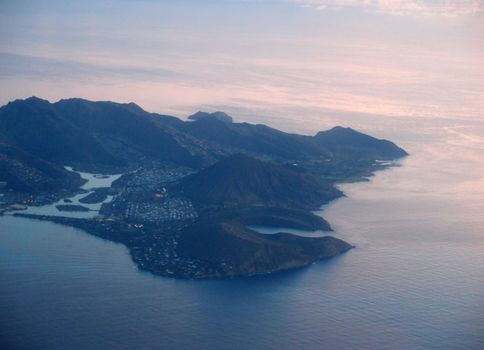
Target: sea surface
[{"x": 414, "y": 281}]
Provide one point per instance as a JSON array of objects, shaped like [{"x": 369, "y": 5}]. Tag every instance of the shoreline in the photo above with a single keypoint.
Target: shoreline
[{"x": 154, "y": 248}]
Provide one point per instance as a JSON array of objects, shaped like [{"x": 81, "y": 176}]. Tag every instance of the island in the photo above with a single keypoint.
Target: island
[
  {"x": 98, "y": 195},
  {"x": 71, "y": 207},
  {"x": 190, "y": 190}
]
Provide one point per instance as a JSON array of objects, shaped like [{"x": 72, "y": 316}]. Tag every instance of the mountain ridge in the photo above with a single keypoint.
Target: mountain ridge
[
  {"x": 190, "y": 190},
  {"x": 114, "y": 137}
]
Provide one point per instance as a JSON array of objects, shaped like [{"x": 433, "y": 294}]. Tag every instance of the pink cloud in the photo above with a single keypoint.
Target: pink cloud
[{"x": 402, "y": 7}]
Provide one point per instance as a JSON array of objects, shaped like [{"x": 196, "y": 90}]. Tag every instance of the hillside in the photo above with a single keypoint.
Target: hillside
[
  {"x": 27, "y": 174},
  {"x": 231, "y": 250},
  {"x": 240, "y": 180},
  {"x": 88, "y": 135},
  {"x": 108, "y": 136},
  {"x": 349, "y": 141}
]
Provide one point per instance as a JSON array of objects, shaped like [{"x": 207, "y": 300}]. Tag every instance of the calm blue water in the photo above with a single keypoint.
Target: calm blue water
[{"x": 414, "y": 281}]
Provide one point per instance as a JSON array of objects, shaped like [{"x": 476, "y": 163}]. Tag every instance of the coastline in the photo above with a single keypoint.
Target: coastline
[{"x": 105, "y": 229}]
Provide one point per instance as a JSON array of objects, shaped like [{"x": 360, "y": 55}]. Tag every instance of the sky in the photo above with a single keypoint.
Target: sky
[{"x": 299, "y": 64}]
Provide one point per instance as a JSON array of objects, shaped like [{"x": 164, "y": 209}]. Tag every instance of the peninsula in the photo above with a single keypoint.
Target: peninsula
[{"x": 190, "y": 189}]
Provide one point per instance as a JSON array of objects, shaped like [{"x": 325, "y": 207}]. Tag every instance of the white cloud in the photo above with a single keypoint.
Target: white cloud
[{"x": 402, "y": 7}]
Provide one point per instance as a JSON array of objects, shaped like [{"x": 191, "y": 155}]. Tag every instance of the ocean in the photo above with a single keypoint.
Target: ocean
[{"x": 414, "y": 280}]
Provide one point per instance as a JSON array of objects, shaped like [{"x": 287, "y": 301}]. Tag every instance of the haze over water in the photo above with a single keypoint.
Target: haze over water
[
  {"x": 412, "y": 74},
  {"x": 414, "y": 280}
]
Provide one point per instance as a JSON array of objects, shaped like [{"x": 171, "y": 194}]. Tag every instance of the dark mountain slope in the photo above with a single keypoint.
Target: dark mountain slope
[
  {"x": 88, "y": 134},
  {"x": 127, "y": 130},
  {"x": 346, "y": 140},
  {"x": 96, "y": 135},
  {"x": 253, "y": 139},
  {"x": 35, "y": 126},
  {"x": 114, "y": 137},
  {"x": 232, "y": 250},
  {"x": 220, "y": 116},
  {"x": 242, "y": 180},
  {"x": 25, "y": 173}
]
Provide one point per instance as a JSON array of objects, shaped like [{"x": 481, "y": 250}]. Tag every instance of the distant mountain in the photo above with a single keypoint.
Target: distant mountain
[
  {"x": 88, "y": 134},
  {"x": 220, "y": 116},
  {"x": 242, "y": 180},
  {"x": 115, "y": 137},
  {"x": 36, "y": 127},
  {"x": 346, "y": 140},
  {"x": 259, "y": 140},
  {"x": 99, "y": 135}
]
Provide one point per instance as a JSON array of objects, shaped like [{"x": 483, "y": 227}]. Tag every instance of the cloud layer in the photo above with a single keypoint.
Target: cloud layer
[{"x": 402, "y": 7}]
